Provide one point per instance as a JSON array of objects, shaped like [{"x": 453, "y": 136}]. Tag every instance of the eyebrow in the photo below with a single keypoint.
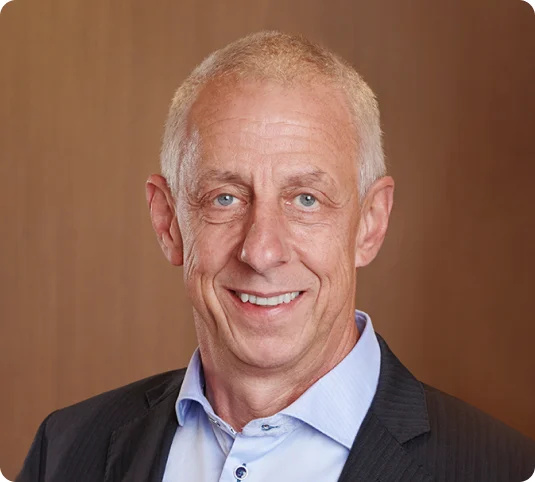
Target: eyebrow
[
  {"x": 311, "y": 177},
  {"x": 216, "y": 175},
  {"x": 298, "y": 179}
]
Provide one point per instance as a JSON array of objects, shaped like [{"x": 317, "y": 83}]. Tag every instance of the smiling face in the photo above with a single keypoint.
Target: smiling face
[
  {"x": 268, "y": 225},
  {"x": 268, "y": 211}
]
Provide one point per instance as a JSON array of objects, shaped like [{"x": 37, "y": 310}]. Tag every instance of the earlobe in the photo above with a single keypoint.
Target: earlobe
[
  {"x": 163, "y": 217},
  {"x": 373, "y": 222}
]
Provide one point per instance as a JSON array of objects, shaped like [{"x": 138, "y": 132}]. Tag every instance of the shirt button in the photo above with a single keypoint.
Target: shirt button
[
  {"x": 241, "y": 472},
  {"x": 266, "y": 427}
]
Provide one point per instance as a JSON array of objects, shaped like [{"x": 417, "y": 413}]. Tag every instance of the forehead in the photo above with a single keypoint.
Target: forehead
[{"x": 287, "y": 124}]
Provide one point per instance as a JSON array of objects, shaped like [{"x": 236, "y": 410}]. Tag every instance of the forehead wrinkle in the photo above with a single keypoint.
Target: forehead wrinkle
[
  {"x": 213, "y": 154},
  {"x": 317, "y": 128},
  {"x": 268, "y": 125},
  {"x": 253, "y": 139},
  {"x": 333, "y": 122},
  {"x": 319, "y": 101}
]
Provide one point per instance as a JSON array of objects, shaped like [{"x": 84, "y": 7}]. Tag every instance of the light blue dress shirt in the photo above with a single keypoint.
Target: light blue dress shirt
[{"x": 308, "y": 440}]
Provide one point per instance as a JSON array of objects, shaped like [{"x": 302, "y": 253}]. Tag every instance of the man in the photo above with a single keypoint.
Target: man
[{"x": 273, "y": 193}]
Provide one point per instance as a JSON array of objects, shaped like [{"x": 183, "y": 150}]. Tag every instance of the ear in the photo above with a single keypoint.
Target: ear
[
  {"x": 373, "y": 222},
  {"x": 163, "y": 217}
]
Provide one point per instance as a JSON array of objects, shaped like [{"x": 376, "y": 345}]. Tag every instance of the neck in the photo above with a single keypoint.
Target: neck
[{"x": 239, "y": 394}]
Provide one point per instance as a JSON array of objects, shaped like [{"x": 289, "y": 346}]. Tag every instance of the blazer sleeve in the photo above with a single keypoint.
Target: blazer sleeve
[{"x": 33, "y": 469}]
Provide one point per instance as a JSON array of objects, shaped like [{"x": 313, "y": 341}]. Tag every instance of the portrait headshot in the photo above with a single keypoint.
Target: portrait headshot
[{"x": 300, "y": 325}]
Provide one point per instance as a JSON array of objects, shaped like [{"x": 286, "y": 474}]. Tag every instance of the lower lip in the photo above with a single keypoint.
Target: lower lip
[{"x": 252, "y": 308}]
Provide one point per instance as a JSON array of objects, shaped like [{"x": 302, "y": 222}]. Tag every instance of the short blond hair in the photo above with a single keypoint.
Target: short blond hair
[{"x": 288, "y": 60}]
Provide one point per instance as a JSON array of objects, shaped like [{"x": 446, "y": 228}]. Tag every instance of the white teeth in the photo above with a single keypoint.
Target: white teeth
[{"x": 273, "y": 301}]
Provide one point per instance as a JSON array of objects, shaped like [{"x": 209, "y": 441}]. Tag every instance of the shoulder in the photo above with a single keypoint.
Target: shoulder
[
  {"x": 75, "y": 439},
  {"x": 471, "y": 443},
  {"x": 113, "y": 408},
  {"x": 450, "y": 416},
  {"x": 451, "y": 439}
]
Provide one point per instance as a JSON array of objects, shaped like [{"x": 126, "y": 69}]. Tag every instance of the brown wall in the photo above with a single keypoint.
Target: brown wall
[{"x": 87, "y": 300}]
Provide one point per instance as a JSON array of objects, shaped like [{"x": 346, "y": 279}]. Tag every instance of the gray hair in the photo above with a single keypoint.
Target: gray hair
[{"x": 285, "y": 59}]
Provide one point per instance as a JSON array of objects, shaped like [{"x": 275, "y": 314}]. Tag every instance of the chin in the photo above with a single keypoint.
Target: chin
[{"x": 270, "y": 354}]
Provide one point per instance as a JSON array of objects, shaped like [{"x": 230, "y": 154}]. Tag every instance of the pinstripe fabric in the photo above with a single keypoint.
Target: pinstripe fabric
[
  {"x": 412, "y": 433},
  {"x": 415, "y": 433}
]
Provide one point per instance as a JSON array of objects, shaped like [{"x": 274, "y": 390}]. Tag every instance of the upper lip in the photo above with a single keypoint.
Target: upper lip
[{"x": 264, "y": 295}]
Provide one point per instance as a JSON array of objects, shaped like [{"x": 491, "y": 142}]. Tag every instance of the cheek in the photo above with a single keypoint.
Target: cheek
[
  {"x": 329, "y": 253},
  {"x": 327, "y": 245},
  {"x": 202, "y": 263},
  {"x": 207, "y": 250}
]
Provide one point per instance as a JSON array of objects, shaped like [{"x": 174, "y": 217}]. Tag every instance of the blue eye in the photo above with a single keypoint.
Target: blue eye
[
  {"x": 225, "y": 199},
  {"x": 307, "y": 200}
]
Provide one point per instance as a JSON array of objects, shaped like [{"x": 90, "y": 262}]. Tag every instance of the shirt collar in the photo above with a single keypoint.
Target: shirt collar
[
  {"x": 192, "y": 389},
  {"x": 335, "y": 405},
  {"x": 338, "y": 402}
]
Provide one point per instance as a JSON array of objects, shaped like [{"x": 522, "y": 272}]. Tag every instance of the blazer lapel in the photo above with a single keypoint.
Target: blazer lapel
[
  {"x": 398, "y": 414},
  {"x": 139, "y": 449}
]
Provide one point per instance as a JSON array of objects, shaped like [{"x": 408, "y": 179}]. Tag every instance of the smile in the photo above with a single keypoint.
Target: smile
[{"x": 271, "y": 301}]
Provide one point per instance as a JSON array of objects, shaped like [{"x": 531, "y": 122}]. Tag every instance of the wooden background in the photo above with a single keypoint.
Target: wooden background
[{"x": 87, "y": 300}]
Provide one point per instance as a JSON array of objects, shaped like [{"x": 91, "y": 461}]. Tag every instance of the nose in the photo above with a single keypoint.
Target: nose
[{"x": 266, "y": 240}]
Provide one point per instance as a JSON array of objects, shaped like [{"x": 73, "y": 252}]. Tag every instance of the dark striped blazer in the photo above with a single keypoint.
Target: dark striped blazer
[{"x": 412, "y": 433}]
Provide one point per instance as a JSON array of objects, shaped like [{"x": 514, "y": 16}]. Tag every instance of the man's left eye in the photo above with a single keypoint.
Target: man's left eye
[
  {"x": 225, "y": 199},
  {"x": 306, "y": 200}
]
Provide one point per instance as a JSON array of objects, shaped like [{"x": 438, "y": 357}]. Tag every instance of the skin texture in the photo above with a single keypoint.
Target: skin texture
[{"x": 269, "y": 148}]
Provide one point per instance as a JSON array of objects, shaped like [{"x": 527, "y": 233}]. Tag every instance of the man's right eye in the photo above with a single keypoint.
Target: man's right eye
[{"x": 224, "y": 199}]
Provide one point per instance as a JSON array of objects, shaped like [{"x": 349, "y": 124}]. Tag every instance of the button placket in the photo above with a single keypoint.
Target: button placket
[{"x": 224, "y": 439}]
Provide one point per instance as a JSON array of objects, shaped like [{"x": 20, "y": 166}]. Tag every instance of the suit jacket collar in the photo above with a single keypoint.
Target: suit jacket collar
[
  {"x": 400, "y": 399},
  {"x": 138, "y": 450},
  {"x": 398, "y": 414}
]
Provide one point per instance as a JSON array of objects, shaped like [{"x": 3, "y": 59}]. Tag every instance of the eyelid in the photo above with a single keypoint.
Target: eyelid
[{"x": 232, "y": 189}]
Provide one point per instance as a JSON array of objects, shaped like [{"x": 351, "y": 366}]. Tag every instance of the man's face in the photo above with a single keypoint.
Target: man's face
[{"x": 268, "y": 213}]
